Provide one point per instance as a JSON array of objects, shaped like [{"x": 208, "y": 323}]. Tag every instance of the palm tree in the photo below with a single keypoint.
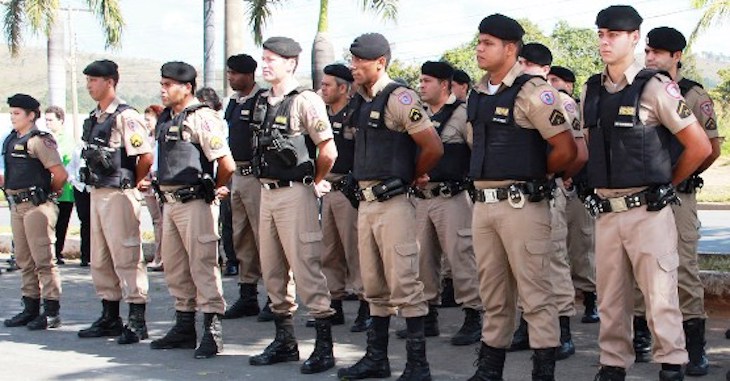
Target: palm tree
[
  {"x": 322, "y": 52},
  {"x": 715, "y": 11}
]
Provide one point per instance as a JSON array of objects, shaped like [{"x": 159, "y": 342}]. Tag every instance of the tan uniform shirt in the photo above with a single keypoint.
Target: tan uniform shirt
[
  {"x": 455, "y": 131},
  {"x": 661, "y": 103},
  {"x": 572, "y": 114},
  {"x": 44, "y": 149},
  {"x": 308, "y": 114},
  {"x": 703, "y": 108},
  {"x": 130, "y": 129},
  {"x": 205, "y": 127},
  {"x": 537, "y": 106}
]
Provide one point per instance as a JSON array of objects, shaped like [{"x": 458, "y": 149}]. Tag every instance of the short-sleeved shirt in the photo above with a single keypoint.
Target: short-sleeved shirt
[
  {"x": 404, "y": 111},
  {"x": 661, "y": 103},
  {"x": 572, "y": 114},
  {"x": 703, "y": 108},
  {"x": 454, "y": 131},
  {"x": 308, "y": 114},
  {"x": 206, "y": 128},
  {"x": 129, "y": 129}
]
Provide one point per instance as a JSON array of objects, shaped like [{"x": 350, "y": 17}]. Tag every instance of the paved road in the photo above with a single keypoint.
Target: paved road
[{"x": 59, "y": 355}]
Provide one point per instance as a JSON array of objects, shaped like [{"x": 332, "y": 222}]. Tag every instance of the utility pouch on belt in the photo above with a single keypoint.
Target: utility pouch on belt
[
  {"x": 208, "y": 188},
  {"x": 98, "y": 160},
  {"x": 659, "y": 196},
  {"x": 691, "y": 184},
  {"x": 384, "y": 190},
  {"x": 348, "y": 186},
  {"x": 38, "y": 196}
]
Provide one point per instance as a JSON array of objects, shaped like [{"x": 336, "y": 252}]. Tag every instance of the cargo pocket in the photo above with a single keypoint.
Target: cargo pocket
[
  {"x": 130, "y": 255},
  {"x": 406, "y": 261},
  {"x": 668, "y": 262},
  {"x": 310, "y": 237},
  {"x": 207, "y": 238},
  {"x": 465, "y": 240},
  {"x": 690, "y": 236},
  {"x": 539, "y": 256}
]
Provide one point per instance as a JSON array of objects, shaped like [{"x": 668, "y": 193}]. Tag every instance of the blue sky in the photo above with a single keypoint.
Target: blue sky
[{"x": 165, "y": 30}]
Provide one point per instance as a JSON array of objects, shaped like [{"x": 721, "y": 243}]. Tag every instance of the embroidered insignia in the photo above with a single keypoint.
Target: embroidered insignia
[
  {"x": 673, "y": 90},
  {"x": 415, "y": 115},
  {"x": 405, "y": 98},
  {"x": 569, "y": 107},
  {"x": 136, "y": 140},
  {"x": 710, "y": 124},
  {"x": 131, "y": 125},
  {"x": 374, "y": 115},
  {"x": 576, "y": 124},
  {"x": 547, "y": 97},
  {"x": 557, "y": 118},
  {"x": 19, "y": 147},
  {"x": 50, "y": 143},
  {"x": 683, "y": 110},
  {"x": 626, "y": 110},
  {"x": 215, "y": 143},
  {"x": 501, "y": 111},
  {"x": 707, "y": 108},
  {"x": 320, "y": 126}
]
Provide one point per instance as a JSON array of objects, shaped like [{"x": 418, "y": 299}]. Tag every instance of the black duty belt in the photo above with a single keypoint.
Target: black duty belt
[
  {"x": 444, "y": 189},
  {"x": 183, "y": 195},
  {"x": 621, "y": 204},
  {"x": 244, "y": 170},
  {"x": 490, "y": 196},
  {"x": 309, "y": 180},
  {"x": 516, "y": 193},
  {"x": 36, "y": 196},
  {"x": 383, "y": 191}
]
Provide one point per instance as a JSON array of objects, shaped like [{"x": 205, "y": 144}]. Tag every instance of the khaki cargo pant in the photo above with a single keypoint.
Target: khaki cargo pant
[
  {"x": 245, "y": 204},
  {"x": 340, "y": 259},
  {"x": 559, "y": 262},
  {"x": 580, "y": 241}
]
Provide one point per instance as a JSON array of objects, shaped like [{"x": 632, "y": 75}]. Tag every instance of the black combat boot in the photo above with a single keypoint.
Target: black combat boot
[
  {"x": 337, "y": 319},
  {"x": 610, "y": 373},
  {"x": 590, "y": 315},
  {"x": 642, "y": 339},
  {"x": 566, "y": 348},
  {"x": 136, "y": 328},
  {"x": 212, "y": 341},
  {"x": 671, "y": 372},
  {"x": 521, "y": 338},
  {"x": 49, "y": 318},
  {"x": 109, "y": 324},
  {"x": 362, "y": 321},
  {"x": 431, "y": 324},
  {"x": 322, "y": 357},
  {"x": 447, "y": 294},
  {"x": 417, "y": 368},
  {"x": 543, "y": 364},
  {"x": 375, "y": 363},
  {"x": 31, "y": 310},
  {"x": 471, "y": 331},
  {"x": 694, "y": 332},
  {"x": 247, "y": 303},
  {"x": 283, "y": 348},
  {"x": 490, "y": 364},
  {"x": 266, "y": 314},
  {"x": 181, "y": 335}
]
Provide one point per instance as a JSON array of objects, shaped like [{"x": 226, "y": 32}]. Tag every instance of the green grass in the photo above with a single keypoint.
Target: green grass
[{"x": 715, "y": 262}]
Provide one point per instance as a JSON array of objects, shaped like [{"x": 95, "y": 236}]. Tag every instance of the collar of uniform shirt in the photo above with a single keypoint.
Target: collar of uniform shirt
[
  {"x": 193, "y": 102},
  {"x": 449, "y": 101},
  {"x": 629, "y": 74},
  {"x": 109, "y": 109},
  {"x": 240, "y": 98},
  {"x": 508, "y": 79},
  {"x": 378, "y": 86}
]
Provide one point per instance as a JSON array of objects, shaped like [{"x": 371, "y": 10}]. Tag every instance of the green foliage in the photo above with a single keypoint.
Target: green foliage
[
  {"x": 409, "y": 73},
  {"x": 721, "y": 95}
]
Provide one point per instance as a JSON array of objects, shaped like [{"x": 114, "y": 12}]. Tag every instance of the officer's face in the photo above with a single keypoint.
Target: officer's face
[
  {"x": 274, "y": 67},
  {"x": 559, "y": 84},
  {"x": 330, "y": 91},
  {"x": 366, "y": 72},
  {"x": 430, "y": 88},
  {"x": 660, "y": 59},
  {"x": 533, "y": 68},
  {"x": 21, "y": 118},
  {"x": 615, "y": 45},
  {"x": 491, "y": 52},
  {"x": 150, "y": 119},
  {"x": 173, "y": 92},
  {"x": 98, "y": 87},
  {"x": 239, "y": 81},
  {"x": 460, "y": 90},
  {"x": 53, "y": 123}
]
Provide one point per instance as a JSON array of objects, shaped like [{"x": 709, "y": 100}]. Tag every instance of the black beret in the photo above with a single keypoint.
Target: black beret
[
  {"x": 666, "y": 38},
  {"x": 438, "y": 69},
  {"x": 563, "y": 73},
  {"x": 340, "y": 71},
  {"x": 179, "y": 71},
  {"x": 24, "y": 101},
  {"x": 502, "y": 27},
  {"x": 370, "y": 46},
  {"x": 537, "y": 53},
  {"x": 619, "y": 17},
  {"x": 242, "y": 63},
  {"x": 102, "y": 68},
  {"x": 283, "y": 46},
  {"x": 461, "y": 77}
]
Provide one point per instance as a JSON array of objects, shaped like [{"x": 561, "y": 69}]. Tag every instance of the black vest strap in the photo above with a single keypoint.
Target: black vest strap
[
  {"x": 685, "y": 85},
  {"x": 442, "y": 117}
]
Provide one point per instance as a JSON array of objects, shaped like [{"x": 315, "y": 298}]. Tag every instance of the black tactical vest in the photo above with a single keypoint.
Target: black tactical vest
[
  {"x": 502, "y": 150},
  {"x": 180, "y": 162},
  {"x": 96, "y": 136},
  {"x": 345, "y": 144},
  {"x": 21, "y": 170},
  {"x": 239, "y": 116},
  {"x": 381, "y": 153},
  {"x": 278, "y": 154},
  {"x": 454, "y": 164},
  {"x": 675, "y": 147},
  {"x": 623, "y": 152}
]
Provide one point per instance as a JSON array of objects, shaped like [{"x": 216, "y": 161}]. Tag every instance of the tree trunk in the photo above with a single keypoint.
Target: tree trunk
[
  {"x": 235, "y": 29},
  {"x": 323, "y": 53},
  {"x": 209, "y": 43},
  {"x": 56, "y": 65}
]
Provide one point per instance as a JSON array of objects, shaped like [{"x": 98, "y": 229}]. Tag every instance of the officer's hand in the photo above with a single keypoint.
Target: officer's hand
[
  {"x": 422, "y": 181},
  {"x": 568, "y": 183},
  {"x": 322, "y": 188},
  {"x": 222, "y": 192},
  {"x": 143, "y": 185}
]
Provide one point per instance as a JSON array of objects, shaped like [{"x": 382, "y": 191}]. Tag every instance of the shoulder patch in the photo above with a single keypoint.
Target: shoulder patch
[
  {"x": 673, "y": 90},
  {"x": 405, "y": 98},
  {"x": 557, "y": 118},
  {"x": 707, "y": 108},
  {"x": 320, "y": 126},
  {"x": 547, "y": 97},
  {"x": 215, "y": 143},
  {"x": 569, "y": 107},
  {"x": 49, "y": 142},
  {"x": 576, "y": 124},
  {"x": 415, "y": 115},
  {"x": 136, "y": 140},
  {"x": 683, "y": 110},
  {"x": 710, "y": 125}
]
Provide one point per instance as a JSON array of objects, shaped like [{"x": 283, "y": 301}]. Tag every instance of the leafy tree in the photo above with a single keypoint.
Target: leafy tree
[
  {"x": 715, "y": 11},
  {"x": 409, "y": 73}
]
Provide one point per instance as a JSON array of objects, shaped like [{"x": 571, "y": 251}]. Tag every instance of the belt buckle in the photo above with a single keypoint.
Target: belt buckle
[
  {"x": 169, "y": 197},
  {"x": 268, "y": 186},
  {"x": 618, "y": 204},
  {"x": 368, "y": 194},
  {"x": 490, "y": 196}
]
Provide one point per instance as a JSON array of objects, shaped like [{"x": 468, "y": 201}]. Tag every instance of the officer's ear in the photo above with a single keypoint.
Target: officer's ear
[
  {"x": 382, "y": 62},
  {"x": 634, "y": 35}
]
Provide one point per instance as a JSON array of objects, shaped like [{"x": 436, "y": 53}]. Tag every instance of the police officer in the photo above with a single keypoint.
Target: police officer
[
  {"x": 443, "y": 209},
  {"x": 246, "y": 189},
  {"x": 33, "y": 173},
  {"x": 392, "y": 126},
  {"x": 631, "y": 115},
  {"x": 511, "y": 219},
  {"x": 664, "y": 47},
  {"x": 340, "y": 260},
  {"x": 190, "y": 140},
  {"x": 118, "y": 157},
  {"x": 461, "y": 85},
  {"x": 580, "y": 223},
  {"x": 294, "y": 151}
]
